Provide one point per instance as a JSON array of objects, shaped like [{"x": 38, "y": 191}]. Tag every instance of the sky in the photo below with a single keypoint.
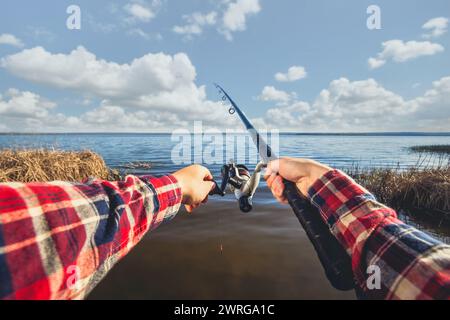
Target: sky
[{"x": 292, "y": 65}]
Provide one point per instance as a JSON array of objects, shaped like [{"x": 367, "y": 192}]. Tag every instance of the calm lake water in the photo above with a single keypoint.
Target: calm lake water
[
  {"x": 340, "y": 151},
  {"x": 220, "y": 253}
]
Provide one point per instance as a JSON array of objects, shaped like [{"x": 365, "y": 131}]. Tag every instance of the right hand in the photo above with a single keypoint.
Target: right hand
[{"x": 302, "y": 172}]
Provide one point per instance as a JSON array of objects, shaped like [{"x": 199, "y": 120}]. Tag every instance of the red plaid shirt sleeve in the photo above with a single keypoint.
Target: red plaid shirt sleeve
[
  {"x": 410, "y": 263},
  {"x": 58, "y": 240}
]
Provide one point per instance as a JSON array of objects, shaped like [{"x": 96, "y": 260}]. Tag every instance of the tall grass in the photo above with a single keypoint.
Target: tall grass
[
  {"x": 41, "y": 165},
  {"x": 419, "y": 189}
]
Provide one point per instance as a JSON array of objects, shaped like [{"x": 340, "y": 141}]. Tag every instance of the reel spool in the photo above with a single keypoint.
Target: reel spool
[{"x": 240, "y": 182}]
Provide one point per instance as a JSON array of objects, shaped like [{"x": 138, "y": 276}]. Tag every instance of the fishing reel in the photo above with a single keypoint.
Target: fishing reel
[{"x": 239, "y": 180}]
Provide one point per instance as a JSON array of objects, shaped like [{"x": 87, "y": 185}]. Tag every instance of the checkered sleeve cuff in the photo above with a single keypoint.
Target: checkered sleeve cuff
[
  {"x": 413, "y": 265},
  {"x": 168, "y": 193},
  {"x": 335, "y": 194},
  {"x": 350, "y": 211}
]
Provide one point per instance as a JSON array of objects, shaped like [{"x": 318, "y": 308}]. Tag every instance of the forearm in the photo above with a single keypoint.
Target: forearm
[
  {"x": 412, "y": 265},
  {"x": 65, "y": 237}
]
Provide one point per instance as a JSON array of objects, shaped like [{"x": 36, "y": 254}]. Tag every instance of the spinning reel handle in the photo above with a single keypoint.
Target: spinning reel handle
[
  {"x": 220, "y": 191},
  {"x": 217, "y": 191}
]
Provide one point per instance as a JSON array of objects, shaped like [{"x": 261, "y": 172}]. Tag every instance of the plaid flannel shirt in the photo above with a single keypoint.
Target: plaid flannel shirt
[
  {"x": 58, "y": 240},
  {"x": 411, "y": 264}
]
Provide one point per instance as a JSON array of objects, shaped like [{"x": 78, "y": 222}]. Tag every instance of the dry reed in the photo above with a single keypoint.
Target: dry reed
[
  {"x": 49, "y": 165},
  {"x": 424, "y": 190}
]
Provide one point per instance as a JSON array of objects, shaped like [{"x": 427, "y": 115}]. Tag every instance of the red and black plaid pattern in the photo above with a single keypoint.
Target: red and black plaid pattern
[
  {"x": 412, "y": 264},
  {"x": 58, "y": 240}
]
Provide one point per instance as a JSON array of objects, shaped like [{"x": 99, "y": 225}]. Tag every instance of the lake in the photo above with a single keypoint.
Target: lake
[{"x": 340, "y": 151}]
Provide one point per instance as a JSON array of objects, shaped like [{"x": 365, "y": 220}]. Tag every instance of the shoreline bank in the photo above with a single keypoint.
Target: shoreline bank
[{"x": 424, "y": 190}]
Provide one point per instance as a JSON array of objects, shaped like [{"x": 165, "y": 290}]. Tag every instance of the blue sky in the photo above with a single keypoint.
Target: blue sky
[{"x": 242, "y": 44}]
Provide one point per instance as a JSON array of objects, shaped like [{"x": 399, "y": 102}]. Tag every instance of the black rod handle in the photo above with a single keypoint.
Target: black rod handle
[{"x": 335, "y": 261}]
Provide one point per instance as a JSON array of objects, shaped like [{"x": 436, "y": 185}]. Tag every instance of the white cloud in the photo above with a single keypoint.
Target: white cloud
[
  {"x": 345, "y": 106},
  {"x": 20, "y": 104},
  {"x": 269, "y": 93},
  {"x": 28, "y": 112},
  {"x": 24, "y": 111},
  {"x": 157, "y": 88},
  {"x": 142, "y": 11},
  {"x": 195, "y": 23},
  {"x": 375, "y": 63},
  {"x": 105, "y": 117},
  {"x": 435, "y": 103},
  {"x": 80, "y": 70},
  {"x": 351, "y": 106},
  {"x": 235, "y": 16},
  {"x": 12, "y": 40},
  {"x": 229, "y": 16},
  {"x": 131, "y": 15},
  {"x": 400, "y": 51},
  {"x": 20, "y": 111},
  {"x": 436, "y": 27},
  {"x": 294, "y": 73},
  {"x": 157, "y": 92},
  {"x": 286, "y": 117}
]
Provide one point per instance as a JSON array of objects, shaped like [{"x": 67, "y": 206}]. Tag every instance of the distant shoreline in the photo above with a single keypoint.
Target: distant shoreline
[{"x": 362, "y": 134}]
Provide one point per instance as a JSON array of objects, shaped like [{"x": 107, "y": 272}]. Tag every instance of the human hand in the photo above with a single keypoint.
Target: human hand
[
  {"x": 302, "y": 172},
  {"x": 195, "y": 182}
]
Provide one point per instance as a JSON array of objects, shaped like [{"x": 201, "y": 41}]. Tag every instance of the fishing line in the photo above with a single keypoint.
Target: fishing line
[{"x": 220, "y": 224}]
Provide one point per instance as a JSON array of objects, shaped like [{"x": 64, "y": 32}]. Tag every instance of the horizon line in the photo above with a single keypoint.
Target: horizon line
[{"x": 444, "y": 133}]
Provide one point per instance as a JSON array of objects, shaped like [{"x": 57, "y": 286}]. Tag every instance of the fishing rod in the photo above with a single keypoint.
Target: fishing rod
[{"x": 332, "y": 255}]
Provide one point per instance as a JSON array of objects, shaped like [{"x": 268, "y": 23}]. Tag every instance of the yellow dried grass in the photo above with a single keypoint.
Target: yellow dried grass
[
  {"x": 43, "y": 165},
  {"x": 427, "y": 190}
]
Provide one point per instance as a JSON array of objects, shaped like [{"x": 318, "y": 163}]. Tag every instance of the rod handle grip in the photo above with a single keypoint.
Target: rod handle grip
[{"x": 332, "y": 255}]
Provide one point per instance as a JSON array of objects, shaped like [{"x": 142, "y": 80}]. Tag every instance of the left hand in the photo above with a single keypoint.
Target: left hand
[{"x": 196, "y": 182}]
